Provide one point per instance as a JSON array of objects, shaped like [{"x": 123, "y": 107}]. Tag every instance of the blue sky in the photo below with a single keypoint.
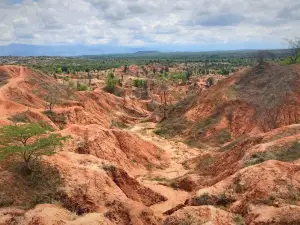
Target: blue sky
[{"x": 161, "y": 24}]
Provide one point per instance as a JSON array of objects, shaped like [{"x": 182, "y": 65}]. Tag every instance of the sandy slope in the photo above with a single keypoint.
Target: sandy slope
[{"x": 178, "y": 153}]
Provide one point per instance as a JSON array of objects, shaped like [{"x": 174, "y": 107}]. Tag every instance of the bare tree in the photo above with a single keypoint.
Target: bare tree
[
  {"x": 90, "y": 78},
  {"x": 53, "y": 97},
  {"x": 163, "y": 89},
  {"x": 294, "y": 46},
  {"x": 125, "y": 70},
  {"x": 188, "y": 73},
  {"x": 262, "y": 55}
]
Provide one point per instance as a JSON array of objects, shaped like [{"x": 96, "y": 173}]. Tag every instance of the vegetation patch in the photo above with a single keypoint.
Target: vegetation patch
[
  {"x": 266, "y": 87},
  {"x": 174, "y": 127},
  {"x": 40, "y": 185},
  {"x": 139, "y": 83},
  {"x": 176, "y": 123},
  {"x": 204, "y": 125},
  {"x": 190, "y": 220},
  {"x": 56, "y": 117},
  {"x": 110, "y": 83},
  {"x": 21, "y": 149},
  {"x": 285, "y": 154},
  {"x": 205, "y": 162},
  {"x": 239, "y": 220},
  {"x": 232, "y": 93},
  {"x": 206, "y": 199},
  {"x": 269, "y": 200},
  {"x": 4, "y": 76},
  {"x": 223, "y": 136},
  {"x": 119, "y": 124},
  {"x": 232, "y": 144},
  {"x": 19, "y": 118},
  {"x": 81, "y": 87},
  {"x": 179, "y": 76}
]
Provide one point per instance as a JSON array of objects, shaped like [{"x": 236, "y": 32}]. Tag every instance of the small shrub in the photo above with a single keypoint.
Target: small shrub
[
  {"x": 65, "y": 78},
  {"x": 81, "y": 87},
  {"x": 118, "y": 124},
  {"x": 139, "y": 83},
  {"x": 206, "y": 199},
  {"x": 149, "y": 166},
  {"x": 4, "y": 76},
  {"x": 223, "y": 136},
  {"x": 109, "y": 167},
  {"x": 269, "y": 201},
  {"x": 205, "y": 162},
  {"x": 203, "y": 200},
  {"x": 210, "y": 81},
  {"x": 223, "y": 200},
  {"x": 190, "y": 220},
  {"x": 159, "y": 131},
  {"x": 239, "y": 220},
  {"x": 237, "y": 187},
  {"x": 285, "y": 154},
  {"x": 20, "y": 118},
  {"x": 203, "y": 125},
  {"x": 111, "y": 83},
  {"x": 56, "y": 118}
]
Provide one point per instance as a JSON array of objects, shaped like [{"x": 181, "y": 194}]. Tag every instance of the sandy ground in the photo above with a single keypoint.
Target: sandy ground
[{"x": 177, "y": 153}]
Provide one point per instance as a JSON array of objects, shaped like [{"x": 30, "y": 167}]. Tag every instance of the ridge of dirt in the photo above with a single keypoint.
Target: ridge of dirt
[{"x": 118, "y": 169}]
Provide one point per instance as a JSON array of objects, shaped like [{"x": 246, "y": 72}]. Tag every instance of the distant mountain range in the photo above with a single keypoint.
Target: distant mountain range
[{"x": 67, "y": 50}]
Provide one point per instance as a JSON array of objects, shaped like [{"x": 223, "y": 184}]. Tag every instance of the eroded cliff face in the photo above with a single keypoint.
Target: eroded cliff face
[{"x": 116, "y": 169}]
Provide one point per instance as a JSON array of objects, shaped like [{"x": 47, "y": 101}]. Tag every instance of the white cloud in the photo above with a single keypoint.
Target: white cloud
[{"x": 139, "y": 22}]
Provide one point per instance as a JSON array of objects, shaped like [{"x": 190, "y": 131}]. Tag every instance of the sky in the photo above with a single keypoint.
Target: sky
[{"x": 157, "y": 24}]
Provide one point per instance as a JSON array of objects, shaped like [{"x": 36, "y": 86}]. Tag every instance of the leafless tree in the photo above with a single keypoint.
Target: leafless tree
[
  {"x": 262, "y": 55},
  {"x": 53, "y": 97},
  {"x": 163, "y": 89},
  {"x": 294, "y": 46},
  {"x": 90, "y": 78}
]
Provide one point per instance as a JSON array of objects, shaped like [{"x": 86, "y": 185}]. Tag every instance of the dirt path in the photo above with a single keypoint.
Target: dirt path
[
  {"x": 12, "y": 82},
  {"x": 177, "y": 153},
  {"x": 7, "y": 106}
]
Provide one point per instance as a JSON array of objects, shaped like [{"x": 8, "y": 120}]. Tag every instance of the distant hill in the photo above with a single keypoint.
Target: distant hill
[
  {"x": 145, "y": 52},
  {"x": 65, "y": 50}
]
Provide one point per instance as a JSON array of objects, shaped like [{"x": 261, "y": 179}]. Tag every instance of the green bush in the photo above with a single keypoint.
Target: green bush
[
  {"x": 210, "y": 81},
  {"x": 20, "y": 118},
  {"x": 139, "y": 83},
  {"x": 27, "y": 143},
  {"x": 223, "y": 136},
  {"x": 179, "y": 76},
  {"x": 81, "y": 87},
  {"x": 111, "y": 82}
]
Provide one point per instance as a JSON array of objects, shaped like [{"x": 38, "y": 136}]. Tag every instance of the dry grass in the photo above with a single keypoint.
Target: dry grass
[
  {"x": 288, "y": 153},
  {"x": 4, "y": 76},
  {"x": 266, "y": 88}
]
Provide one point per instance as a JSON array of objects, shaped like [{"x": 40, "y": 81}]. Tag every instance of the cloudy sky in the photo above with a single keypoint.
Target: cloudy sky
[{"x": 228, "y": 24}]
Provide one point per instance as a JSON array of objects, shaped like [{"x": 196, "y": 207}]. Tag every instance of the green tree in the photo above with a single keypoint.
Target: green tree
[
  {"x": 111, "y": 82},
  {"x": 58, "y": 70},
  {"x": 28, "y": 142},
  {"x": 294, "y": 46},
  {"x": 210, "y": 81}
]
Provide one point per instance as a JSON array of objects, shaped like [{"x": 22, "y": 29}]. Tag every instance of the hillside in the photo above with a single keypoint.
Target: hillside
[
  {"x": 199, "y": 165},
  {"x": 252, "y": 101}
]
